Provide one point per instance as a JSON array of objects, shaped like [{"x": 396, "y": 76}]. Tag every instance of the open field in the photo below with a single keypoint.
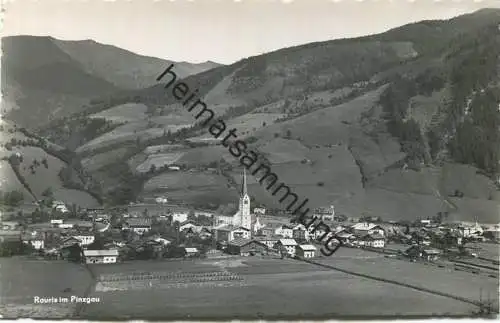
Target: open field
[
  {"x": 9, "y": 181},
  {"x": 123, "y": 113},
  {"x": 191, "y": 187},
  {"x": 267, "y": 288},
  {"x": 21, "y": 280},
  {"x": 458, "y": 283},
  {"x": 98, "y": 161}
]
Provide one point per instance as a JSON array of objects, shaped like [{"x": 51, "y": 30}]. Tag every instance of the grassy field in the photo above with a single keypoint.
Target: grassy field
[
  {"x": 458, "y": 283},
  {"x": 191, "y": 188},
  {"x": 270, "y": 288},
  {"x": 98, "y": 161},
  {"x": 21, "y": 280},
  {"x": 10, "y": 182},
  {"x": 123, "y": 113}
]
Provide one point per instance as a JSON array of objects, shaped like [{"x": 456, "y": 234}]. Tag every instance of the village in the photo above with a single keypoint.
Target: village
[{"x": 158, "y": 230}]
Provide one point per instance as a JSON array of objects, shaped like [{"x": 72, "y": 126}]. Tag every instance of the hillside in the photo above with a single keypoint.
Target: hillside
[
  {"x": 36, "y": 169},
  {"x": 64, "y": 76},
  {"x": 401, "y": 125}
]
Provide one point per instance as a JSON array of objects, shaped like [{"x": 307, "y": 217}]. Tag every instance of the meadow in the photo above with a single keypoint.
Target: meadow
[
  {"x": 270, "y": 288},
  {"x": 22, "y": 279}
]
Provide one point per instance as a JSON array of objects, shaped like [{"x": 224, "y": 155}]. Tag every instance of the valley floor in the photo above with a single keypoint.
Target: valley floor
[{"x": 237, "y": 287}]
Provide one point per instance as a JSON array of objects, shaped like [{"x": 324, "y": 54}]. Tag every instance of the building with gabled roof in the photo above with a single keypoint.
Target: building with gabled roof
[
  {"x": 100, "y": 256},
  {"x": 363, "y": 228},
  {"x": 246, "y": 247},
  {"x": 306, "y": 251},
  {"x": 290, "y": 245}
]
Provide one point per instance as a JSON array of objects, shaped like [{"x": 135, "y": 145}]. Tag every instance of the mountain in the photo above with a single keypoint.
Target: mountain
[
  {"x": 400, "y": 125},
  {"x": 45, "y": 78}
]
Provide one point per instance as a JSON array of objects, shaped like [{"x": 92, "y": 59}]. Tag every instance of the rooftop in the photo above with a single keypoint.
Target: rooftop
[
  {"x": 288, "y": 242},
  {"x": 100, "y": 253},
  {"x": 307, "y": 247}
]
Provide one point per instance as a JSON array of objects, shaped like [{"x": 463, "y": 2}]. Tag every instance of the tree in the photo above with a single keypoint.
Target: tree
[{"x": 48, "y": 192}]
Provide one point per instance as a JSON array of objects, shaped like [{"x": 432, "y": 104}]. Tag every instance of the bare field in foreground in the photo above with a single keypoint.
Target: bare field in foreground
[{"x": 270, "y": 288}]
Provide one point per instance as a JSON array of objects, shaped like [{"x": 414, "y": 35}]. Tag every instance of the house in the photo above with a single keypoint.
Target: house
[
  {"x": 325, "y": 213},
  {"x": 230, "y": 232},
  {"x": 138, "y": 225},
  {"x": 266, "y": 231},
  {"x": 431, "y": 254},
  {"x": 161, "y": 200},
  {"x": 65, "y": 225},
  {"x": 69, "y": 241},
  {"x": 189, "y": 224},
  {"x": 290, "y": 245},
  {"x": 345, "y": 237},
  {"x": 35, "y": 239},
  {"x": 259, "y": 210},
  {"x": 100, "y": 256},
  {"x": 306, "y": 251},
  {"x": 179, "y": 215},
  {"x": 270, "y": 241},
  {"x": 300, "y": 233},
  {"x": 84, "y": 238},
  {"x": 286, "y": 231},
  {"x": 373, "y": 240},
  {"x": 364, "y": 228},
  {"x": 246, "y": 247},
  {"x": 191, "y": 252}
]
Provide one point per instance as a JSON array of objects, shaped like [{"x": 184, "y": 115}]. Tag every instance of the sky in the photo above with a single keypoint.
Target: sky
[{"x": 219, "y": 30}]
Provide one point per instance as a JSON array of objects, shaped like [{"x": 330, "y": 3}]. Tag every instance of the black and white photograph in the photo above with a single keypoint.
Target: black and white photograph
[{"x": 217, "y": 160}]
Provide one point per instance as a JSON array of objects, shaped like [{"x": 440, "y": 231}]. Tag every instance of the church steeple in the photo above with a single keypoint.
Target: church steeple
[
  {"x": 244, "y": 183},
  {"x": 245, "y": 218}
]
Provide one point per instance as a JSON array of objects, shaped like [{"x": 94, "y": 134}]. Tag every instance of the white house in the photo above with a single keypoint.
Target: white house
[
  {"x": 364, "y": 228},
  {"x": 138, "y": 225},
  {"x": 100, "y": 256},
  {"x": 161, "y": 200},
  {"x": 36, "y": 240},
  {"x": 180, "y": 215},
  {"x": 373, "y": 240},
  {"x": 85, "y": 239},
  {"x": 286, "y": 231},
  {"x": 290, "y": 246},
  {"x": 259, "y": 210},
  {"x": 230, "y": 233},
  {"x": 306, "y": 251}
]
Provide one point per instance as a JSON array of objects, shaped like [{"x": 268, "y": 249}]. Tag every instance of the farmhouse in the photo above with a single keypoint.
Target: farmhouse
[
  {"x": 373, "y": 240},
  {"x": 290, "y": 245},
  {"x": 270, "y": 241},
  {"x": 231, "y": 232},
  {"x": 36, "y": 240},
  {"x": 364, "y": 228},
  {"x": 100, "y": 256},
  {"x": 191, "y": 252},
  {"x": 300, "y": 233},
  {"x": 286, "y": 231},
  {"x": 180, "y": 215},
  {"x": 84, "y": 238},
  {"x": 246, "y": 247},
  {"x": 306, "y": 251},
  {"x": 138, "y": 225}
]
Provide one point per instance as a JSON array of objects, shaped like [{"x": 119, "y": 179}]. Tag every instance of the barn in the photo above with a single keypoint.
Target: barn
[{"x": 246, "y": 247}]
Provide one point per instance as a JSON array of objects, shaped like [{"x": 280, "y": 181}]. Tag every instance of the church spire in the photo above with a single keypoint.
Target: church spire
[{"x": 244, "y": 183}]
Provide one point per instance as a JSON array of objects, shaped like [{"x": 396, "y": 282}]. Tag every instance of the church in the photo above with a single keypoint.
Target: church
[{"x": 243, "y": 217}]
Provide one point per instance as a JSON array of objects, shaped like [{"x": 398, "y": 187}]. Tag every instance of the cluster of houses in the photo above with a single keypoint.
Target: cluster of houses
[{"x": 245, "y": 233}]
